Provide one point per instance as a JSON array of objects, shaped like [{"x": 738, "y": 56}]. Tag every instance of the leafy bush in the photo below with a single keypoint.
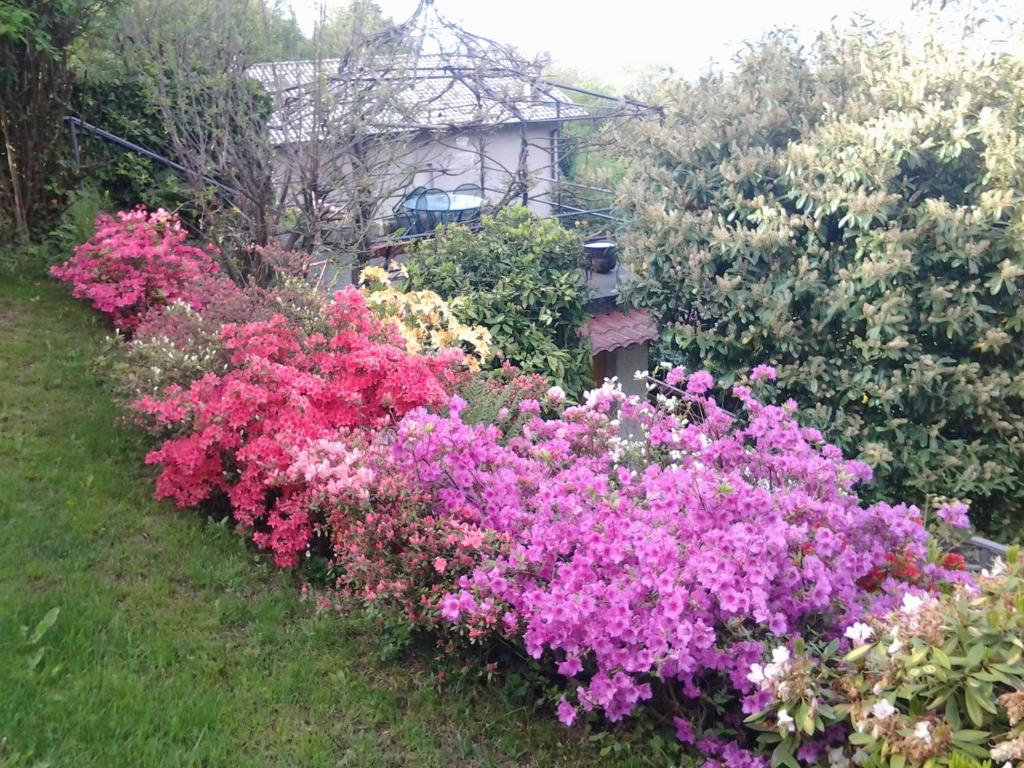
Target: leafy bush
[
  {"x": 518, "y": 277},
  {"x": 853, "y": 217},
  {"x": 939, "y": 677}
]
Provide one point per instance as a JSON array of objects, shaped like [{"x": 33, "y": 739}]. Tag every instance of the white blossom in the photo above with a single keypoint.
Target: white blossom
[
  {"x": 911, "y": 603},
  {"x": 883, "y": 710},
  {"x": 785, "y": 721},
  {"x": 859, "y": 633},
  {"x": 923, "y": 731},
  {"x": 837, "y": 758}
]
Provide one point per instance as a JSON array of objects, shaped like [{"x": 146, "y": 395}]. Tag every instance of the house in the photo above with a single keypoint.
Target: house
[{"x": 461, "y": 113}]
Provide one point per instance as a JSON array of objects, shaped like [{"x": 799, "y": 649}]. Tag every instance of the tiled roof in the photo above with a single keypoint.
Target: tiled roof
[
  {"x": 433, "y": 93},
  {"x": 619, "y": 329}
]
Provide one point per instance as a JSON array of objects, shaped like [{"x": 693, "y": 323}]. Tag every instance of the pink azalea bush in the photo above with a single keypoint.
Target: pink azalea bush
[{"x": 137, "y": 260}]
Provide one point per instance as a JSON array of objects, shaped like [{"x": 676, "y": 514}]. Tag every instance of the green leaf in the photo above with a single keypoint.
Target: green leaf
[
  {"x": 783, "y": 754},
  {"x": 974, "y": 656},
  {"x": 971, "y": 735},
  {"x": 44, "y": 625},
  {"x": 858, "y": 653},
  {"x": 974, "y": 711},
  {"x": 953, "y": 713}
]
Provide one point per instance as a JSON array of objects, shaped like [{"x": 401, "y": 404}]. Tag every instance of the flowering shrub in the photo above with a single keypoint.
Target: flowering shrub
[
  {"x": 424, "y": 320},
  {"x": 937, "y": 677},
  {"x": 178, "y": 345},
  {"x": 388, "y": 546},
  {"x": 135, "y": 261},
  {"x": 239, "y": 431},
  {"x": 669, "y": 558}
]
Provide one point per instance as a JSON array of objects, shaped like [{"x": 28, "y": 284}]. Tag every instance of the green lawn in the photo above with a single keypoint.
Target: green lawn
[{"x": 175, "y": 644}]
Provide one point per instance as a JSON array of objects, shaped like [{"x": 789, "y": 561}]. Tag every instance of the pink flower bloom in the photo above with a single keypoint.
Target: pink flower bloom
[
  {"x": 675, "y": 376},
  {"x": 566, "y": 712},
  {"x": 955, "y": 514},
  {"x": 763, "y": 372},
  {"x": 699, "y": 383}
]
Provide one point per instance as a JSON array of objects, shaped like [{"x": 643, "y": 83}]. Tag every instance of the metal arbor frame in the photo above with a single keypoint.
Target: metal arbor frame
[{"x": 472, "y": 84}]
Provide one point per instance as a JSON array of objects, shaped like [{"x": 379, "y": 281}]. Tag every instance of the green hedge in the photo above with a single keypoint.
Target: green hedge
[{"x": 853, "y": 215}]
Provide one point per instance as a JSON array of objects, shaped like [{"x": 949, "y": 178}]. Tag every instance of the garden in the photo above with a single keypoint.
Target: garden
[{"x": 406, "y": 492}]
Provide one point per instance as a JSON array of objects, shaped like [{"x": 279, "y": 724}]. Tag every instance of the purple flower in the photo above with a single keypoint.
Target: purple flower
[
  {"x": 684, "y": 731},
  {"x": 566, "y": 712},
  {"x": 955, "y": 514},
  {"x": 699, "y": 383},
  {"x": 763, "y": 372}
]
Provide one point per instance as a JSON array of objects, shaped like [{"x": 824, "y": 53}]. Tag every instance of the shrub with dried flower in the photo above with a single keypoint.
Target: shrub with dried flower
[{"x": 938, "y": 679}]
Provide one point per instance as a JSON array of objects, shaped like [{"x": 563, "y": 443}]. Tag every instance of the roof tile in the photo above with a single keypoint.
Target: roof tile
[{"x": 616, "y": 330}]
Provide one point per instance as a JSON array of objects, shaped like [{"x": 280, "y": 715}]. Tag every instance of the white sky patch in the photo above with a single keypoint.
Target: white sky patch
[{"x": 614, "y": 42}]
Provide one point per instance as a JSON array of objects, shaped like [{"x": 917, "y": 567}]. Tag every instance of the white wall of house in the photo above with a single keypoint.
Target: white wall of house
[{"x": 487, "y": 156}]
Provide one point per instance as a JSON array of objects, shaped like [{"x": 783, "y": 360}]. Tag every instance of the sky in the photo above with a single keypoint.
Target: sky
[{"x": 614, "y": 40}]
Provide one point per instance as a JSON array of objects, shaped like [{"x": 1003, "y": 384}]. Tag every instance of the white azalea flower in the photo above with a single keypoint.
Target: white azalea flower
[
  {"x": 896, "y": 644},
  {"x": 756, "y": 674},
  {"x": 911, "y": 603},
  {"x": 923, "y": 731},
  {"x": 883, "y": 710},
  {"x": 780, "y": 655},
  {"x": 785, "y": 721},
  {"x": 859, "y": 633},
  {"x": 837, "y": 758},
  {"x": 860, "y": 756}
]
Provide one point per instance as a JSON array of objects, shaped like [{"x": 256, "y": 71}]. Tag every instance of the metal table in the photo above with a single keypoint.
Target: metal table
[{"x": 445, "y": 210}]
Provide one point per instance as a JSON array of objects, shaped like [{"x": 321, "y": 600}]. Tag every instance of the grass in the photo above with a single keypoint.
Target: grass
[{"x": 175, "y": 644}]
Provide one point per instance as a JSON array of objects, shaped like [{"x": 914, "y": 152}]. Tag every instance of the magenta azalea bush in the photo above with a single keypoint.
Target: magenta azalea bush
[
  {"x": 650, "y": 555},
  {"x": 668, "y": 558},
  {"x": 135, "y": 261}
]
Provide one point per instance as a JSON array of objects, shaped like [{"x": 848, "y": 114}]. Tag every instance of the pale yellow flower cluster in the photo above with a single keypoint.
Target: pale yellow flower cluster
[{"x": 425, "y": 320}]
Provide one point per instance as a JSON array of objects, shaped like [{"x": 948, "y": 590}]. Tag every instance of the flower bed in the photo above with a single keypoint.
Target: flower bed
[{"x": 646, "y": 574}]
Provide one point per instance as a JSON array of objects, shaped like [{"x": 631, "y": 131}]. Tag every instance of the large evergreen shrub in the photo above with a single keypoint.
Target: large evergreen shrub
[{"x": 854, "y": 217}]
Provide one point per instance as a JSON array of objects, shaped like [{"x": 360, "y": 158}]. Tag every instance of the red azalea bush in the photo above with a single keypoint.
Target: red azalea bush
[
  {"x": 238, "y": 432},
  {"x": 135, "y": 261}
]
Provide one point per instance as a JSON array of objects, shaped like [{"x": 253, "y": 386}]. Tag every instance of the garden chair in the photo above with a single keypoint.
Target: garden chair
[
  {"x": 431, "y": 208},
  {"x": 405, "y": 217}
]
